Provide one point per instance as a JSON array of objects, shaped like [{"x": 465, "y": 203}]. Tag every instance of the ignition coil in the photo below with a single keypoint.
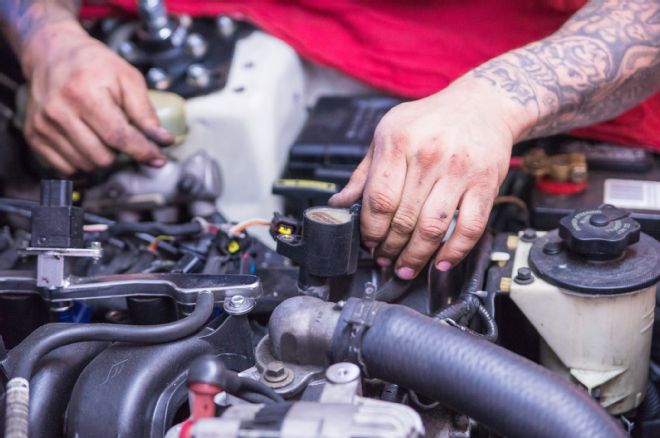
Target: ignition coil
[{"x": 328, "y": 246}]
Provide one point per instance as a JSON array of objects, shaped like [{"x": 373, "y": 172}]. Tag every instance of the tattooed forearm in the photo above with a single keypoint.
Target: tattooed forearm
[
  {"x": 19, "y": 19},
  {"x": 604, "y": 60}
]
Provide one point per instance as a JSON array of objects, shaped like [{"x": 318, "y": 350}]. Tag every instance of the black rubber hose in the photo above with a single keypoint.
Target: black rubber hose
[
  {"x": 478, "y": 263},
  {"x": 393, "y": 289},
  {"x": 650, "y": 407},
  {"x": 248, "y": 385},
  {"x": 156, "y": 334},
  {"x": 254, "y": 397},
  {"x": 501, "y": 390}
]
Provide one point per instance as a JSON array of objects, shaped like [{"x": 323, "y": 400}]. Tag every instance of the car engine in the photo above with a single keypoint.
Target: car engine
[{"x": 220, "y": 296}]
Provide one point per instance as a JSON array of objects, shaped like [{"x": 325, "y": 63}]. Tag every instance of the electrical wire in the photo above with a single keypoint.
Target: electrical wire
[{"x": 244, "y": 225}]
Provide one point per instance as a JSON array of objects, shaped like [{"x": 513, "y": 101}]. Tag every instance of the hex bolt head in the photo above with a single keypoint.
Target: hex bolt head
[
  {"x": 198, "y": 76},
  {"x": 524, "y": 276},
  {"x": 196, "y": 45},
  {"x": 552, "y": 248},
  {"x": 158, "y": 78},
  {"x": 238, "y": 305},
  {"x": 277, "y": 375},
  {"x": 226, "y": 26},
  {"x": 275, "y": 371},
  {"x": 529, "y": 235}
]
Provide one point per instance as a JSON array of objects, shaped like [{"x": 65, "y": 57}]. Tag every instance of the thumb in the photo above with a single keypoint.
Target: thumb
[{"x": 353, "y": 190}]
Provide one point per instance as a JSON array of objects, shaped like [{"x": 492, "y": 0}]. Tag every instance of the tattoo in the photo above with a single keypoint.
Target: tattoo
[
  {"x": 19, "y": 19},
  {"x": 604, "y": 60}
]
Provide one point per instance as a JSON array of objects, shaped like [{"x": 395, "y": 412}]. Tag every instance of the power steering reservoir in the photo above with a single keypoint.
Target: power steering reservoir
[{"x": 589, "y": 289}]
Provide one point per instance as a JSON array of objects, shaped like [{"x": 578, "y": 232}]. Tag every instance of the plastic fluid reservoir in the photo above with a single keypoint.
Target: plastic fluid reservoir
[{"x": 589, "y": 289}]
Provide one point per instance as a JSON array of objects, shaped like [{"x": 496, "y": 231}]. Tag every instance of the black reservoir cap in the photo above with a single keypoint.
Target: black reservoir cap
[{"x": 603, "y": 233}]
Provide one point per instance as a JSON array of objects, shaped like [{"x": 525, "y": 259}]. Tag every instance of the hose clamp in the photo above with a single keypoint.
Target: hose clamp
[{"x": 357, "y": 317}]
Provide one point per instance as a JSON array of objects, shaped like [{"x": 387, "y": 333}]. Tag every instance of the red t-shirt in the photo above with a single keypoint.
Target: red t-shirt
[{"x": 412, "y": 48}]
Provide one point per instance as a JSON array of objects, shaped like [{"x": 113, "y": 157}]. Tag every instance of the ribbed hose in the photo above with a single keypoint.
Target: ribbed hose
[
  {"x": 17, "y": 408},
  {"x": 16, "y": 414},
  {"x": 503, "y": 391}
]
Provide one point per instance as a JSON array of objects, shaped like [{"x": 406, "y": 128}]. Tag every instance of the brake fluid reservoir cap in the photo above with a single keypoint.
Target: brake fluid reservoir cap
[
  {"x": 603, "y": 233},
  {"x": 598, "y": 251}
]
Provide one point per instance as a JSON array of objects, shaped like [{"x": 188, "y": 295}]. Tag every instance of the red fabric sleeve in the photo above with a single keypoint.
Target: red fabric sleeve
[{"x": 412, "y": 48}]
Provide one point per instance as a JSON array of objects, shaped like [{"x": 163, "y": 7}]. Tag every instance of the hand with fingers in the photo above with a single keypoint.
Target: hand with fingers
[
  {"x": 85, "y": 103},
  {"x": 428, "y": 158}
]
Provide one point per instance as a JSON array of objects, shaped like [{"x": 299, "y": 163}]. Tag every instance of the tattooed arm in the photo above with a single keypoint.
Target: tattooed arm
[
  {"x": 85, "y": 103},
  {"x": 603, "y": 61},
  {"x": 20, "y": 19},
  {"x": 452, "y": 149}
]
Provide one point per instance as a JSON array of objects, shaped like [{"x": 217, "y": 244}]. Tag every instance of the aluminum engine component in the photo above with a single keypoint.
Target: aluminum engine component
[
  {"x": 340, "y": 413},
  {"x": 599, "y": 334},
  {"x": 195, "y": 181}
]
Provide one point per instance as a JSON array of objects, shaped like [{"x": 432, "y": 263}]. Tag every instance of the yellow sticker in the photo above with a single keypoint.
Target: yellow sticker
[{"x": 306, "y": 183}]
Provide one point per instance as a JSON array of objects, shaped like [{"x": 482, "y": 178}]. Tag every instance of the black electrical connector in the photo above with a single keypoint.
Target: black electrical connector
[{"x": 56, "y": 223}]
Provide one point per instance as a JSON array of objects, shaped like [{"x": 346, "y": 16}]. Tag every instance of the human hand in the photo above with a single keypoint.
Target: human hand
[
  {"x": 85, "y": 103},
  {"x": 429, "y": 157}
]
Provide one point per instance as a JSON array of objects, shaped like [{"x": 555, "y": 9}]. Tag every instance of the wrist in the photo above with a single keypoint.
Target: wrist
[
  {"x": 517, "y": 118},
  {"x": 46, "y": 41}
]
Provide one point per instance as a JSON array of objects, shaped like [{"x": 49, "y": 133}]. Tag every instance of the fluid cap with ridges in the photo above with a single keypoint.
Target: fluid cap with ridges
[{"x": 599, "y": 234}]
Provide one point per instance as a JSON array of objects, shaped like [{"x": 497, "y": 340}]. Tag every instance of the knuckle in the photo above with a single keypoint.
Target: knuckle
[
  {"x": 53, "y": 110},
  {"x": 472, "y": 229},
  {"x": 432, "y": 229},
  {"x": 116, "y": 136},
  {"x": 74, "y": 89},
  {"x": 404, "y": 221},
  {"x": 382, "y": 203}
]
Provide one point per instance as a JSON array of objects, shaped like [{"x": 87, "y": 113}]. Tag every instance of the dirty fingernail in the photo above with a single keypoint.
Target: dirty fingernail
[
  {"x": 443, "y": 266},
  {"x": 163, "y": 134},
  {"x": 158, "y": 162},
  {"x": 383, "y": 261},
  {"x": 405, "y": 273}
]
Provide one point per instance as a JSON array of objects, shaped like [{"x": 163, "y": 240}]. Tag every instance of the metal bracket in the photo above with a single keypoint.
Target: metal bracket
[
  {"x": 51, "y": 267},
  {"x": 183, "y": 288}
]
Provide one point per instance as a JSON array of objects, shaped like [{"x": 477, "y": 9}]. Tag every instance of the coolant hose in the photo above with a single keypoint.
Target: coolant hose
[
  {"x": 501, "y": 390},
  {"x": 506, "y": 392},
  {"x": 16, "y": 412}
]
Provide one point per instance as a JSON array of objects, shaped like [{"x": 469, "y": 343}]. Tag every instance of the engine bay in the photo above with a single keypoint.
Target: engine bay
[{"x": 219, "y": 296}]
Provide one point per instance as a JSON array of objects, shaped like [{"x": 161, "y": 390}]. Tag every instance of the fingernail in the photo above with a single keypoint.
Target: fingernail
[
  {"x": 158, "y": 162},
  {"x": 405, "y": 273},
  {"x": 163, "y": 134},
  {"x": 370, "y": 244},
  {"x": 383, "y": 261},
  {"x": 443, "y": 266}
]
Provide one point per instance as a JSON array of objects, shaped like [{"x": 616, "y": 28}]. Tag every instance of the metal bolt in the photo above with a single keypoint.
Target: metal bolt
[
  {"x": 95, "y": 245},
  {"x": 226, "y": 26},
  {"x": 529, "y": 235},
  {"x": 127, "y": 50},
  {"x": 198, "y": 76},
  {"x": 552, "y": 248},
  {"x": 196, "y": 45},
  {"x": 277, "y": 375},
  {"x": 342, "y": 372},
  {"x": 158, "y": 79},
  {"x": 275, "y": 372},
  {"x": 238, "y": 305},
  {"x": 524, "y": 276}
]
